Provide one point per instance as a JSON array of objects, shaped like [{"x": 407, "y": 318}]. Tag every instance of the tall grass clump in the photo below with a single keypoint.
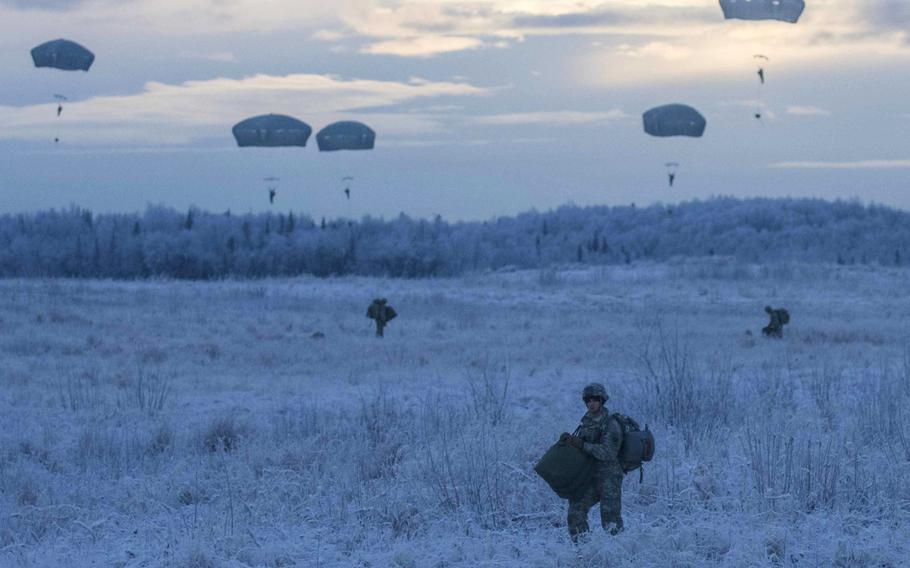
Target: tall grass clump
[
  {"x": 694, "y": 399},
  {"x": 488, "y": 389}
]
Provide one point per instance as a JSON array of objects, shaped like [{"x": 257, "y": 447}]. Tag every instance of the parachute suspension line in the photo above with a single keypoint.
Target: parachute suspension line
[
  {"x": 272, "y": 187},
  {"x": 347, "y": 182},
  {"x": 760, "y": 106}
]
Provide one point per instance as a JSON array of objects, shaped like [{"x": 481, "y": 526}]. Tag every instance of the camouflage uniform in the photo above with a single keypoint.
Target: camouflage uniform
[
  {"x": 602, "y": 438},
  {"x": 775, "y": 327},
  {"x": 382, "y": 313}
]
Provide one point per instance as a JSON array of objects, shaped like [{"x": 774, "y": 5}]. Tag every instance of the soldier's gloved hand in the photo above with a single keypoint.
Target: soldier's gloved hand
[
  {"x": 564, "y": 438},
  {"x": 577, "y": 442}
]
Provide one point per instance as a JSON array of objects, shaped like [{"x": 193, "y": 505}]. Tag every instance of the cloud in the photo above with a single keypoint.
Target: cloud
[
  {"x": 493, "y": 22},
  {"x": 885, "y": 14},
  {"x": 46, "y": 5},
  {"x": 199, "y": 110},
  {"x": 175, "y": 17},
  {"x": 422, "y": 46},
  {"x": 328, "y": 35},
  {"x": 221, "y": 56},
  {"x": 855, "y": 165},
  {"x": 564, "y": 117},
  {"x": 798, "y": 110},
  {"x": 572, "y": 20}
]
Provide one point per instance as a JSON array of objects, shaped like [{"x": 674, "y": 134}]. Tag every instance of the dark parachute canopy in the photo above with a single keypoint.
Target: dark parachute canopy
[
  {"x": 782, "y": 10},
  {"x": 271, "y": 130},
  {"x": 674, "y": 120},
  {"x": 63, "y": 54},
  {"x": 346, "y": 135}
]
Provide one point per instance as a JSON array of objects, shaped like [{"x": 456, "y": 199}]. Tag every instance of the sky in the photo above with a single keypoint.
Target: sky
[{"x": 481, "y": 107}]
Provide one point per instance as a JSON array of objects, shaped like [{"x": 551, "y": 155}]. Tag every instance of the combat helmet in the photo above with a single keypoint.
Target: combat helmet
[{"x": 595, "y": 389}]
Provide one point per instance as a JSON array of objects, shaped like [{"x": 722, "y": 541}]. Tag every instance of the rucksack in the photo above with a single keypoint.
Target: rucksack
[
  {"x": 784, "y": 315},
  {"x": 637, "y": 445}
]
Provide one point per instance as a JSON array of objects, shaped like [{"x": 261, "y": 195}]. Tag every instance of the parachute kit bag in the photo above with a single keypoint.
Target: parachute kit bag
[
  {"x": 566, "y": 469},
  {"x": 637, "y": 445}
]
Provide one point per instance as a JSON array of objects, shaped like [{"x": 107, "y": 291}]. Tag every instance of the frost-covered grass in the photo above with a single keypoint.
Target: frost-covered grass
[{"x": 196, "y": 425}]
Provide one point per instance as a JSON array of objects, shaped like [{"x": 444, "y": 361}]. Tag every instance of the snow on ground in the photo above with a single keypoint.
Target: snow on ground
[{"x": 202, "y": 424}]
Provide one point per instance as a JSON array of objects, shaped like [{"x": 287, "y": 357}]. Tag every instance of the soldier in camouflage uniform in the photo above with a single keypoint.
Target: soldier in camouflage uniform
[
  {"x": 382, "y": 313},
  {"x": 600, "y": 436},
  {"x": 775, "y": 327}
]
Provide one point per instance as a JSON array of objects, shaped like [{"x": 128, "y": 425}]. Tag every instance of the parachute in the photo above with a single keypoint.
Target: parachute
[
  {"x": 345, "y": 135},
  {"x": 63, "y": 54},
  {"x": 782, "y": 10},
  {"x": 674, "y": 120},
  {"x": 271, "y": 130}
]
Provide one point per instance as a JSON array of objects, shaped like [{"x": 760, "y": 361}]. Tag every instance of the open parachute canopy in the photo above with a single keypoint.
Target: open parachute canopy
[
  {"x": 346, "y": 135},
  {"x": 271, "y": 130},
  {"x": 782, "y": 10},
  {"x": 674, "y": 120},
  {"x": 63, "y": 54}
]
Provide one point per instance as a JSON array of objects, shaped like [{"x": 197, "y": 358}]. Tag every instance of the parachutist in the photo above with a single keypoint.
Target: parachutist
[
  {"x": 347, "y": 192},
  {"x": 272, "y": 193},
  {"x": 671, "y": 177},
  {"x": 761, "y": 75},
  {"x": 383, "y": 313},
  {"x": 757, "y": 116},
  {"x": 59, "y": 109}
]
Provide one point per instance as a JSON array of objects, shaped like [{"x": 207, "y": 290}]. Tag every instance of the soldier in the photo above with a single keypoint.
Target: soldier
[
  {"x": 382, "y": 313},
  {"x": 775, "y": 327},
  {"x": 600, "y": 436}
]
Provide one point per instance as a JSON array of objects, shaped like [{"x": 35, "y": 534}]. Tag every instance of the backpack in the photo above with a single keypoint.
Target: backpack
[
  {"x": 784, "y": 315},
  {"x": 637, "y": 445}
]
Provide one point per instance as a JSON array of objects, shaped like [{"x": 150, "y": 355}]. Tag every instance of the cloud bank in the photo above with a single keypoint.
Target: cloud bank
[{"x": 195, "y": 110}]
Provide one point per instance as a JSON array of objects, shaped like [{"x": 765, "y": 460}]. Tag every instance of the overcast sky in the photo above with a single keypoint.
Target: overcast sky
[{"x": 481, "y": 107}]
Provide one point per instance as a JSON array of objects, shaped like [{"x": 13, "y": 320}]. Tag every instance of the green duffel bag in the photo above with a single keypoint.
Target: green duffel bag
[{"x": 566, "y": 469}]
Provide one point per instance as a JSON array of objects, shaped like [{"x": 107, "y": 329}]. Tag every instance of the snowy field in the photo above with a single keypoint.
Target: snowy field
[{"x": 202, "y": 424}]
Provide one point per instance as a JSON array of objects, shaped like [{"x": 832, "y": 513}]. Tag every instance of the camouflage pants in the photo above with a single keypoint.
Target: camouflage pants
[
  {"x": 772, "y": 331},
  {"x": 609, "y": 492}
]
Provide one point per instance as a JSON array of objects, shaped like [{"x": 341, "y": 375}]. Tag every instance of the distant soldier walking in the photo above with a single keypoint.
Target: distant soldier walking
[
  {"x": 382, "y": 313},
  {"x": 600, "y": 436},
  {"x": 775, "y": 328}
]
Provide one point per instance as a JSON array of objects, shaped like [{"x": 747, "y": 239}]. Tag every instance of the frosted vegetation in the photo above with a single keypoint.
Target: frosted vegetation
[
  {"x": 199, "y": 245},
  {"x": 203, "y": 425}
]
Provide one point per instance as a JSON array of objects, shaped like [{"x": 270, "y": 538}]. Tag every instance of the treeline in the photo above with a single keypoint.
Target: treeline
[{"x": 163, "y": 242}]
